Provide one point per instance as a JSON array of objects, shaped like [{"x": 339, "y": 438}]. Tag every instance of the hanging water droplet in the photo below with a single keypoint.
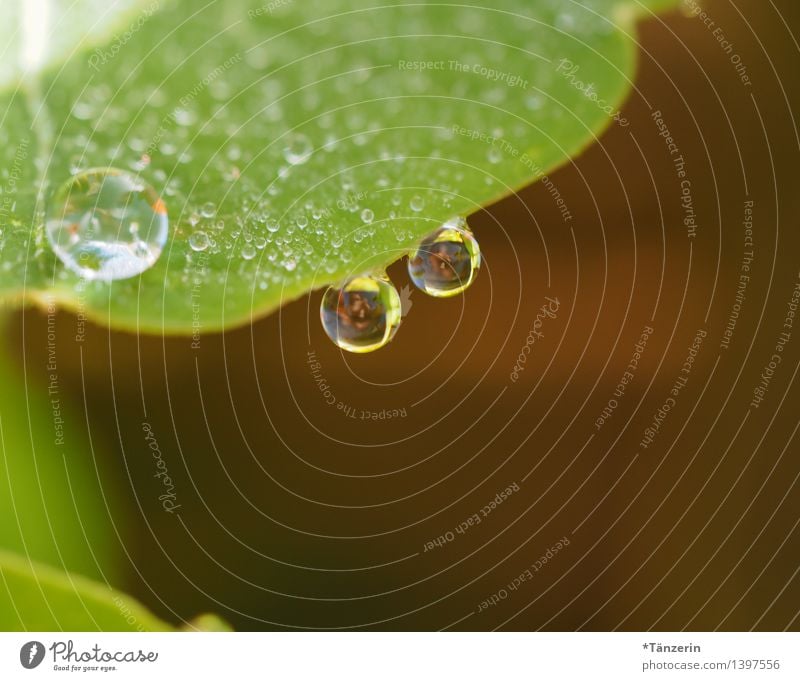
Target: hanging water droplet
[
  {"x": 298, "y": 148},
  {"x": 107, "y": 224},
  {"x": 363, "y": 315},
  {"x": 417, "y": 203},
  {"x": 208, "y": 210},
  {"x": 447, "y": 261},
  {"x": 248, "y": 251},
  {"x": 198, "y": 241},
  {"x": 367, "y": 215}
]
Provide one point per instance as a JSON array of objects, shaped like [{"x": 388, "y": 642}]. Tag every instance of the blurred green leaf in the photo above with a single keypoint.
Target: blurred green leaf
[
  {"x": 308, "y": 141},
  {"x": 35, "y": 597},
  {"x": 207, "y": 622},
  {"x": 53, "y": 507},
  {"x": 35, "y": 33}
]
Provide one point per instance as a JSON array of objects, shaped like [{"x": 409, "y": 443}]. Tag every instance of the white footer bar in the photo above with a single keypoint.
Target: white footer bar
[{"x": 401, "y": 656}]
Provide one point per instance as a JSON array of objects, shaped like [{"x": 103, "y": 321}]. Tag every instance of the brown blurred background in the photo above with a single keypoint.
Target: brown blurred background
[{"x": 294, "y": 514}]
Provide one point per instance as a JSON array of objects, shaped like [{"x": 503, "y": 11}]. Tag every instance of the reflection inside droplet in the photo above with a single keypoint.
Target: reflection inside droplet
[
  {"x": 363, "y": 315},
  {"x": 446, "y": 262}
]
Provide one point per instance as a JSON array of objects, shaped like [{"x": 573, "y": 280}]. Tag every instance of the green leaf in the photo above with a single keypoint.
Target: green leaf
[
  {"x": 207, "y": 622},
  {"x": 35, "y": 33},
  {"x": 35, "y": 597},
  {"x": 414, "y": 113},
  {"x": 53, "y": 507}
]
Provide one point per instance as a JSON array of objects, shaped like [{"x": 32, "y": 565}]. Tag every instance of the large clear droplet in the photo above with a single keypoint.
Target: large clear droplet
[
  {"x": 447, "y": 261},
  {"x": 363, "y": 315},
  {"x": 107, "y": 224}
]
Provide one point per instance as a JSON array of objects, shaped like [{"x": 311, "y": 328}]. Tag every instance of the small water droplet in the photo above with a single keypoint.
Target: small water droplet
[
  {"x": 198, "y": 241},
  {"x": 417, "y": 203},
  {"x": 75, "y": 164},
  {"x": 534, "y": 102},
  {"x": 209, "y": 210},
  {"x": 248, "y": 251},
  {"x": 367, "y": 215},
  {"x": 565, "y": 21},
  {"x": 107, "y": 224},
  {"x": 83, "y": 111},
  {"x": 447, "y": 261},
  {"x": 363, "y": 315},
  {"x": 494, "y": 155},
  {"x": 183, "y": 117},
  {"x": 298, "y": 148}
]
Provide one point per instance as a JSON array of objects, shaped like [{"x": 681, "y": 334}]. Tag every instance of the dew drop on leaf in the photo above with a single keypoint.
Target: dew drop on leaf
[
  {"x": 298, "y": 149},
  {"x": 198, "y": 241},
  {"x": 107, "y": 224}
]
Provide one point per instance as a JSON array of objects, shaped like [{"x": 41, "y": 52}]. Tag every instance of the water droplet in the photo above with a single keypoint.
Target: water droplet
[
  {"x": 183, "y": 117},
  {"x": 417, "y": 203},
  {"x": 534, "y": 102},
  {"x": 565, "y": 21},
  {"x": 494, "y": 155},
  {"x": 198, "y": 241},
  {"x": 83, "y": 111},
  {"x": 248, "y": 251},
  {"x": 298, "y": 148},
  {"x": 363, "y": 315},
  {"x": 209, "y": 210},
  {"x": 367, "y": 215},
  {"x": 447, "y": 261},
  {"x": 107, "y": 224}
]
